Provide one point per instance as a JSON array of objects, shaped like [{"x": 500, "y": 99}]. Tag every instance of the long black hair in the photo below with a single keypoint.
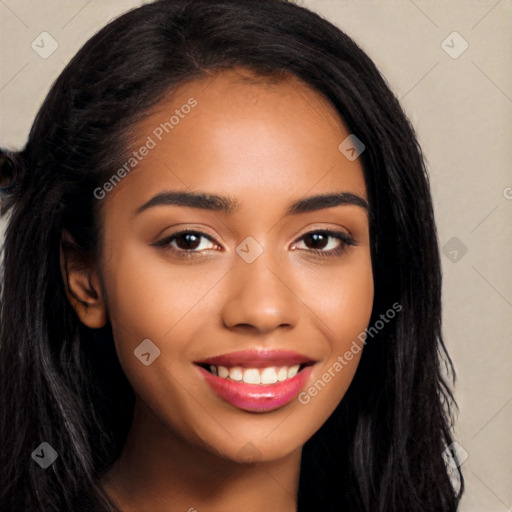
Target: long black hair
[{"x": 61, "y": 383}]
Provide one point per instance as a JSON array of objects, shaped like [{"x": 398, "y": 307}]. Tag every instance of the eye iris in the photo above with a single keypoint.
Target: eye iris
[
  {"x": 315, "y": 238},
  {"x": 192, "y": 243}
]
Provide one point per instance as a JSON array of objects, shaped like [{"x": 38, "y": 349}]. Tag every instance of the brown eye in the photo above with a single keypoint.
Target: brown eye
[
  {"x": 186, "y": 243},
  {"x": 325, "y": 242},
  {"x": 317, "y": 240}
]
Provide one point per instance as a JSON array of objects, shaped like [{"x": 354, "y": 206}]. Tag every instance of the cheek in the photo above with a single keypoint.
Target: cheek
[
  {"x": 149, "y": 298},
  {"x": 341, "y": 298},
  {"x": 154, "y": 301},
  {"x": 342, "y": 304},
  {"x": 148, "y": 294}
]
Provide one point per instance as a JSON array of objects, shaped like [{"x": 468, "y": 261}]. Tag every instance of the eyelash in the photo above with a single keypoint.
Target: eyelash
[{"x": 345, "y": 240}]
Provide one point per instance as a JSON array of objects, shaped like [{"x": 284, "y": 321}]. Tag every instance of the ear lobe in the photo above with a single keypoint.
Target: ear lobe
[{"x": 82, "y": 283}]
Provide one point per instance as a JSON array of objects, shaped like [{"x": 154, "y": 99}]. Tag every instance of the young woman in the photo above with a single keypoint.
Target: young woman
[{"x": 221, "y": 281}]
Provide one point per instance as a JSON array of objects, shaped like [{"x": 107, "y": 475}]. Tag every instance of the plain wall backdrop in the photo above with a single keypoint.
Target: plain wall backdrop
[{"x": 449, "y": 62}]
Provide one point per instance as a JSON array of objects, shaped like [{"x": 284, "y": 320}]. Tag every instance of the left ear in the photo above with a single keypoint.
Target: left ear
[{"x": 82, "y": 283}]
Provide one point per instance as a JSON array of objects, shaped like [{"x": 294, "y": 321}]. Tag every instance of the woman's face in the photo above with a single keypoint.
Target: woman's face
[{"x": 253, "y": 282}]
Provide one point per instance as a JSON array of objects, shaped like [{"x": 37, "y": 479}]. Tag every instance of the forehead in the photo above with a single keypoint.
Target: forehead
[{"x": 240, "y": 133}]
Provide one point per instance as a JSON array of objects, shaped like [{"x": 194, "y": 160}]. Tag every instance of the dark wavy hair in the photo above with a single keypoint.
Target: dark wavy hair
[{"x": 61, "y": 382}]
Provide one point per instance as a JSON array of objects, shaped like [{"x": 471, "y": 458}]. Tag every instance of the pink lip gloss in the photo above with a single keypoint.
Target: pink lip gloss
[{"x": 257, "y": 397}]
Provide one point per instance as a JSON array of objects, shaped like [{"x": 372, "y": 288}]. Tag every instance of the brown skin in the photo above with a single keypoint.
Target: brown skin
[{"x": 266, "y": 145}]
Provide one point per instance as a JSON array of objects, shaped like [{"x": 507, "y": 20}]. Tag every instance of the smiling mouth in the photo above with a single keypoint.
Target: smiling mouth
[
  {"x": 247, "y": 394},
  {"x": 257, "y": 380},
  {"x": 266, "y": 376}
]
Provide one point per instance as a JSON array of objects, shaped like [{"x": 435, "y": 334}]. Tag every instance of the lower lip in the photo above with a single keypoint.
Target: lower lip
[{"x": 257, "y": 397}]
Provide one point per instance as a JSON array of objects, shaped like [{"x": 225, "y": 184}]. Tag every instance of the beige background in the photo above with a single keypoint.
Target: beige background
[{"x": 462, "y": 110}]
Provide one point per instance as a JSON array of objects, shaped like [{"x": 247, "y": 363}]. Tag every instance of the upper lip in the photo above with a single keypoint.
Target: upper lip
[{"x": 257, "y": 359}]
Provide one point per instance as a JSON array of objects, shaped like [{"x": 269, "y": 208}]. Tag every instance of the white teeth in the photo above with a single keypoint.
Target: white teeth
[
  {"x": 222, "y": 371},
  {"x": 235, "y": 373},
  {"x": 252, "y": 376},
  {"x": 293, "y": 371},
  {"x": 269, "y": 375},
  {"x": 282, "y": 374}
]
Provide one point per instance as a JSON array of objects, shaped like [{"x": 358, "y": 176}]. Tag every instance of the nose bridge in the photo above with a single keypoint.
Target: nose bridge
[{"x": 259, "y": 294}]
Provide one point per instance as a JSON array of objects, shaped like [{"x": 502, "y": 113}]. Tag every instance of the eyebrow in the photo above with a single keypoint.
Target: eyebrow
[{"x": 228, "y": 205}]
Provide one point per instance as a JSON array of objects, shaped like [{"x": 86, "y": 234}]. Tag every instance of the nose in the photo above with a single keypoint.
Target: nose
[{"x": 260, "y": 297}]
